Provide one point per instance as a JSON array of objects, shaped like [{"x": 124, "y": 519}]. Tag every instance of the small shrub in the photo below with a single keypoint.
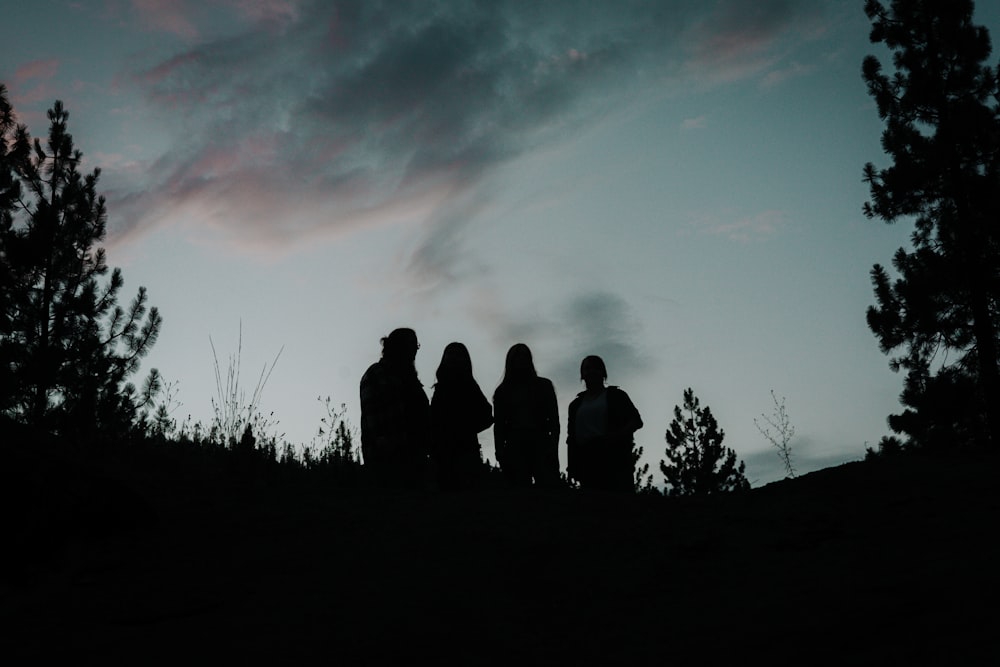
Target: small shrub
[{"x": 779, "y": 432}]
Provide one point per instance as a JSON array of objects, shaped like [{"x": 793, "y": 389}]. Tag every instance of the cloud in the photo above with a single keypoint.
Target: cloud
[
  {"x": 561, "y": 331},
  {"x": 764, "y": 223},
  {"x": 779, "y": 76},
  {"x": 170, "y": 16},
  {"x": 741, "y": 228},
  {"x": 599, "y": 323},
  {"x": 36, "y": 69},
  {"x": 697, "y": 123},
  {"x": 364, "y": 110},
  {"x": 32, "y": 83},
  {"x": 269, "y": 12},
  {"x": 439, "y": 259},
  {"x": 738, "y": 39},
  {"x": 116, "y": 161}
]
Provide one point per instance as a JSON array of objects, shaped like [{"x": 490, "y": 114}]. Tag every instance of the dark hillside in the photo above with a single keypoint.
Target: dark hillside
[{"x": 891, "y": 561}]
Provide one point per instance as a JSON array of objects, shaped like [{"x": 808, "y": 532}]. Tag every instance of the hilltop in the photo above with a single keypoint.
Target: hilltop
[{"x": 119, "y": 558}]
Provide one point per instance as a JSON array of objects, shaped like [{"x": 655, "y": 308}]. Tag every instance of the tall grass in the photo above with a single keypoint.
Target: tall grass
[{"x": 235, "y": 419}]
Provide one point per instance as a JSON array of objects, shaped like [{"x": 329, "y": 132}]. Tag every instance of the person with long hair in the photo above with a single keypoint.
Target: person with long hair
[
  {"x": 526, "y": 427},
  {"x": 459, "y": 412},
  {"x": 599, "y": 442},
  {"x": 395, "y": 412}
]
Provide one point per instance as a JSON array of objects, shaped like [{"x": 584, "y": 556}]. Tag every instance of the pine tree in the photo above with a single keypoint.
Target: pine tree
[
  {"x": 642, "y": 479},
  {"x": 698, "y": 463},
  {"x": 67, "y": 347},
  {"x": 942, "y": 132},
  {"x": 10, "y": 192}
]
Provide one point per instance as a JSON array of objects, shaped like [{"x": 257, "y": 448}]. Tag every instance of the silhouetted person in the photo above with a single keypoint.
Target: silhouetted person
[
  {"x": 459, "y": 412},
  {"x": 395, "y": 412},
  {"x": 526, "y": 427},
  {"x": 602, "y": 421}
]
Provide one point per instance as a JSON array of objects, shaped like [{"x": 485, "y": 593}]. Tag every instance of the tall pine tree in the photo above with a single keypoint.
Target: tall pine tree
[
  {"x": 67, "y": 347},
  {"x": 697, "y": 463},
  {"x": 942, "y": 133},
  {"x": 10, "y": 190}
]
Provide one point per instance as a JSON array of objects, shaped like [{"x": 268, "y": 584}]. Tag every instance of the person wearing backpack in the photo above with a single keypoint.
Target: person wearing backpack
[{"x": 599, "y": 442}]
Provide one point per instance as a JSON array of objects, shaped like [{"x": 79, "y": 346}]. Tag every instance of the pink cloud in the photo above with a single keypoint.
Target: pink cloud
[
  {"x": 739, "y": 40},
  {"x": 168, "y": 16},
  {"x": 31, "y": 96},
  {"x": 165, "y": 69},
  {"x": 278, "y": 12},
  {"x": 698, "y": 123},
  {"x": 116, "y": 163},
  {"x": 728, "y": 46},
  {"x": 734, "y": 226},
  {"x": 231, "y": 195},
  {"x": 730, "y": 56},
  {"x": 358, "y": 136},
  {"x": 158, "y": 81},
  {"x": 779, "y": 76},
  {"x": 36, "y": 69},
  {"x": 764, "y": 223}
]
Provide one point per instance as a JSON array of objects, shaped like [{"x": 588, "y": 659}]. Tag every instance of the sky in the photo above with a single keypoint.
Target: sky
[{"x": 675, "y": 186}]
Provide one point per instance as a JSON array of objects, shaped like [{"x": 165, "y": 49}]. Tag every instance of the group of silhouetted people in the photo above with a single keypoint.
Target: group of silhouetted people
[{"x": 401, "y": 429}]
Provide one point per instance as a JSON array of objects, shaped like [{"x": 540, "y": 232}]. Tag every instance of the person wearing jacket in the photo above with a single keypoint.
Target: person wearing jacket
[
  {"x": 526, "y": 426},
  {"x": 599, "y": 442},
  {"x": 394, "y": 413},
  {"x": 459, "y": 412}
]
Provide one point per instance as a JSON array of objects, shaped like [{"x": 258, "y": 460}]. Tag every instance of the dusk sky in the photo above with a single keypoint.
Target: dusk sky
[{"x": 675, "y": 186}]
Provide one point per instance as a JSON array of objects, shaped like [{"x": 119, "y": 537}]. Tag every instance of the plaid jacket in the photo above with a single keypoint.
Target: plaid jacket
[{"x": 393, "y": 407}]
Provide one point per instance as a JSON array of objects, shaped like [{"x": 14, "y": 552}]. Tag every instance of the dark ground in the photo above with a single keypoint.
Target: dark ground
[{"x": 892, "y": 562}]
